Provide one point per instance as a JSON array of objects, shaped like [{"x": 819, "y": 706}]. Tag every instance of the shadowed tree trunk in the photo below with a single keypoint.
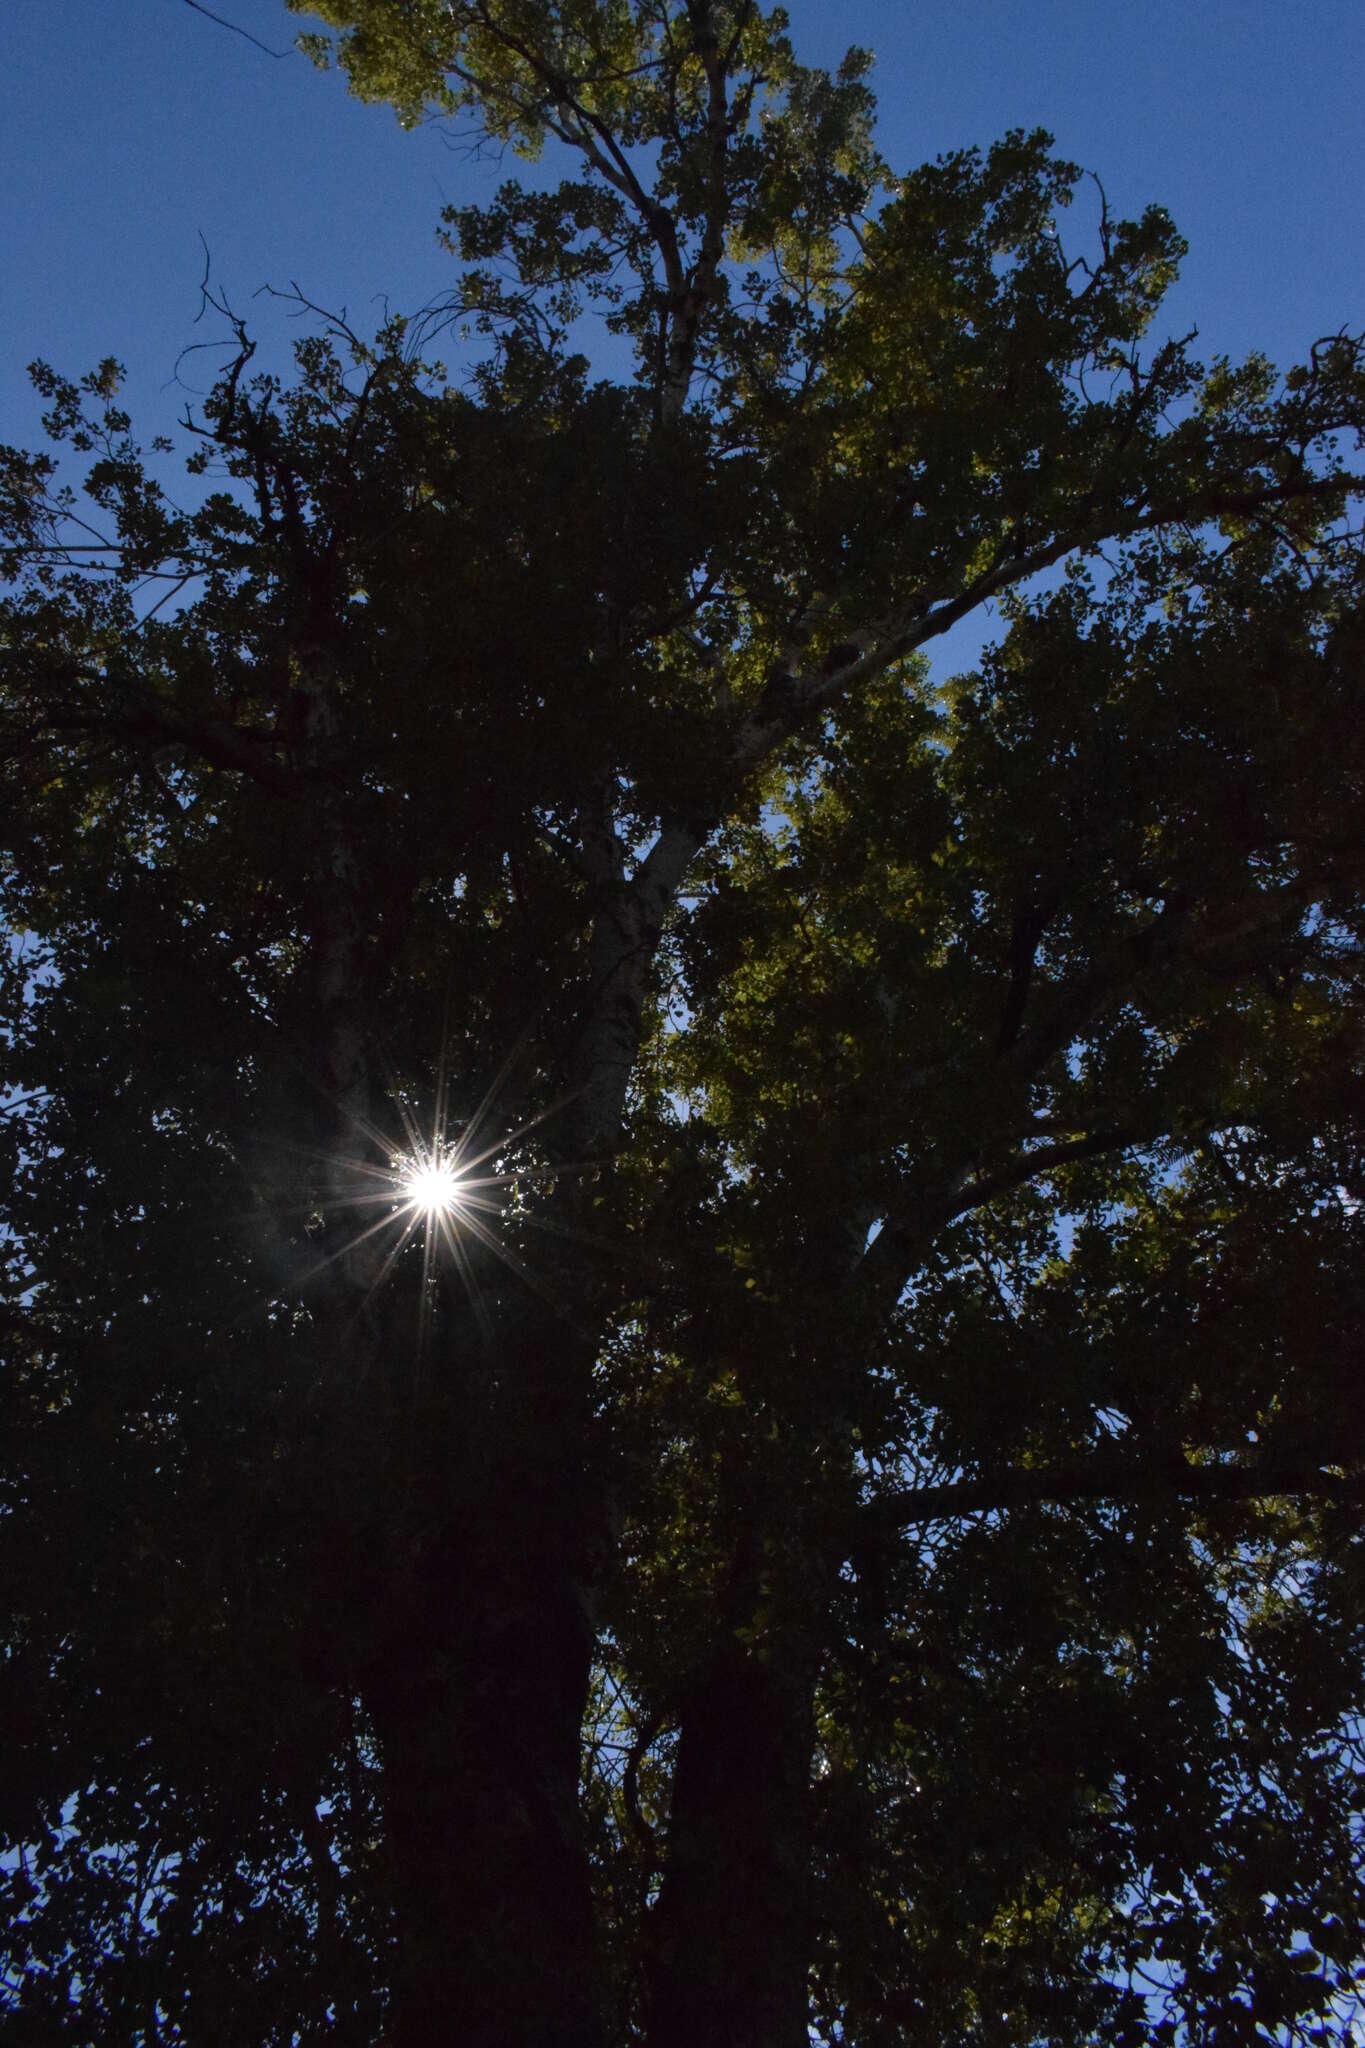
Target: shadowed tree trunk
[
  {"x": 730, "y": 1939},
  {"x": 477, "y": 1695},
  {"x": 480, "y": 1746}
]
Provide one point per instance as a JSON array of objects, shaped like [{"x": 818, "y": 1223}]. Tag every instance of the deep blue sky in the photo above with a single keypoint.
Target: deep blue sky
[{"x": 132, "y": 126}]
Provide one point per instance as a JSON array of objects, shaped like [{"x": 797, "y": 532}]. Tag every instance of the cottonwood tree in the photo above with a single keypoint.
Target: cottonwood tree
[{"x": 683, "y": 1305}]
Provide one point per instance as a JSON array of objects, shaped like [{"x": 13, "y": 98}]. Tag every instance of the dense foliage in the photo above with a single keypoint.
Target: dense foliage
[{"x": 851, "y": 1517}]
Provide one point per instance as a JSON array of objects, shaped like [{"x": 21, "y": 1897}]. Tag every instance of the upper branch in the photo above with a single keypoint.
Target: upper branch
[
  {"x": 698, "y": 290},
  {"x": 140, "y": 719},
  {"x": 1109, "y": 1478},
  {"x": 799, "y": 696}
]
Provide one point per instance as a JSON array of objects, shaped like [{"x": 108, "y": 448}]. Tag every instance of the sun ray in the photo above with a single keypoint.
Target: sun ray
[
  {"x": 619, "y": 1248},
  {"x": 465, "y": 1267},
  {"x": 329, "y": 1158},
  {"x": 498, "y": 1082},
  {"x": 513, "y": 1137},
  {"x": 443, "y": 1070},
  {"x": 412, "y": 1135},
  {"x": 310, "y": 1273},
  {"x": 424, "y": 1298},
  {"x": 502, "y": 1250},
  {"x": 351, "y": 1244},
  {"x": 428, "y": 1182},
  {"x": 395, "y": 1252}
]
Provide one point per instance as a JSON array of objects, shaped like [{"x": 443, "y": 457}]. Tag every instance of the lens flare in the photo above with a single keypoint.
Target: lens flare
[{"x": 431, "y": 1186}]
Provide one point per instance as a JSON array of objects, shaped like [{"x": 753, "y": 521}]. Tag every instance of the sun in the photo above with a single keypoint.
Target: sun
[
  {"x": 430, "y": 1185},
  {"x": 454, "y": 1193}
]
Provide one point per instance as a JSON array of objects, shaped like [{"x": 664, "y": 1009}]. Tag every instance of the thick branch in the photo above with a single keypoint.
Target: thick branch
[
  {"x": 1026, "y": 1166},
  {"x": 143, "y": 720},
  {"x": 630, "y": 1781},
  {"x": 1107, "y": 1478},
  {"x": 803, "y": 697},
  {"x": 690, "y": 305},
  {"x": 630, "y": 917},
  {"x": 890, "y": 1260}
]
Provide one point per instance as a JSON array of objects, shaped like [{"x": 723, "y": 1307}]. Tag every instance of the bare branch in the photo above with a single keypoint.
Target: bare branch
[{"x": 238, "y": 30}]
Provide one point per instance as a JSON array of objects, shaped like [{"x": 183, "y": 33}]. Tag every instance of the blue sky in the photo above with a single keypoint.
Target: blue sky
[{"x": 134, "y": 126}]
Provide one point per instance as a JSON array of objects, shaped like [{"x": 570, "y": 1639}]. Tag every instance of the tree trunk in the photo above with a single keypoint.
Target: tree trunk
[
  {"x": 730, "y": 1936},
  {"x": 480, "y": 1734},
  {"x": 478, "y": 1697}
]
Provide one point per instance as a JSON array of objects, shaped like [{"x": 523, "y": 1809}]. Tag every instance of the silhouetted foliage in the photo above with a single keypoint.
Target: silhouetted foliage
[{"x": 850, "y": 1517}]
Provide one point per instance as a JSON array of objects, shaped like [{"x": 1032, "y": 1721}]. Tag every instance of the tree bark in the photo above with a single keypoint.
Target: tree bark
[
  {"x": 480, "y": 1745},
  {"x": 730, "y": 1936},
  {"x": 477, "y": 1695}
]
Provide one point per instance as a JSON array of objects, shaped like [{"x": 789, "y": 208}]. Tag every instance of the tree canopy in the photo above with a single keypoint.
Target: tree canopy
[{"x": 683, "y": 1303}]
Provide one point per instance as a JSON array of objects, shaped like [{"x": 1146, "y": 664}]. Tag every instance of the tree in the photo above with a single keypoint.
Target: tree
[{"x": 681, "y": 1332}]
